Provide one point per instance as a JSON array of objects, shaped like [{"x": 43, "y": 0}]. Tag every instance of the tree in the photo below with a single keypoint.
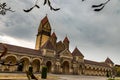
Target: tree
[
  {"x": 118, "y": 71},
  {"x": 4, "y": 9}
]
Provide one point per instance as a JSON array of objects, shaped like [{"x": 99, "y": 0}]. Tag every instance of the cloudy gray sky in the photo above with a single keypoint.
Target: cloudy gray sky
[{"x": 96, "y": 34}]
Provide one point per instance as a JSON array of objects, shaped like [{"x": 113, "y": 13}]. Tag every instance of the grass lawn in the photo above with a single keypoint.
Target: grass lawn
[{"x": 117, "y": 78}]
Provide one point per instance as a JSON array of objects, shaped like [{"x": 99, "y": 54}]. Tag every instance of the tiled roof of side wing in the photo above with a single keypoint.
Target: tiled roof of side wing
[
  {"x": 95, "y": 63},
  {"x": 21, "y": 50}
]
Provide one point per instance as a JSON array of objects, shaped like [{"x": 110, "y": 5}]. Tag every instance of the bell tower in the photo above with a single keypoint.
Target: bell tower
[{"x": 44, "y": 32}]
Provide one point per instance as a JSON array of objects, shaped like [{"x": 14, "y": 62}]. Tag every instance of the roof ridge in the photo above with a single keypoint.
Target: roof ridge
[
  {"x": 17, "y": 46},
  {"x": 95, "y": 63},
  {"x": 20, "y": 49}
]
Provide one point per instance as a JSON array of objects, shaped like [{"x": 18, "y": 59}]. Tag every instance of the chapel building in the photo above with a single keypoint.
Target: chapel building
[{"x": 53, "y": 54}]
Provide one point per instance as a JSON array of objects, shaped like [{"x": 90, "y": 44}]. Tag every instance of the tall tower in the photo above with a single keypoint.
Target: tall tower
[{"x": 44, "y": 32}]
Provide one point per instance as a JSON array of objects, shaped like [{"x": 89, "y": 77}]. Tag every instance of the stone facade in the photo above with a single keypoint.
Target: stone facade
[{"x": 55, "y": 55}]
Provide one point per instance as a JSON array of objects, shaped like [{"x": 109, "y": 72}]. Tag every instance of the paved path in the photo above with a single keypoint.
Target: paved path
[
  {"x": 22, "y": 76},
  {"x": 78, "y": 77}
]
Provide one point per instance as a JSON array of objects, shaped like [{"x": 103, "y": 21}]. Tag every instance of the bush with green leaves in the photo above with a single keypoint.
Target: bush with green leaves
[{"x": 44, "y": 72}]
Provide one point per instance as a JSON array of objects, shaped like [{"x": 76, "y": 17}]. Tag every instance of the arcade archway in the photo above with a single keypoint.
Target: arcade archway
[
  {"x": 66, "y": 67},
  {"x": 10, "y": 60},
  {"x": 26, "y": 63},
  {"x": 49, "y": 66},
  {"x": 36, "y": 65}
]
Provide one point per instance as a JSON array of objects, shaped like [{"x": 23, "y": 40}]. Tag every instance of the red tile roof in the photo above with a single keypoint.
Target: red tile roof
[
  {"x": 66, "y": 39},
  {"x": 48, "y": 45},
  {"x": 108, "y": 60},
  {"x": 76, "y": 52},
  {"x": 21, "y": 50},
  {"x": 95, "y": 63},
  {"x": 44, "y": 20},
  {"x": 53, "y": 35},
  {"x": 60, "y": 42}
]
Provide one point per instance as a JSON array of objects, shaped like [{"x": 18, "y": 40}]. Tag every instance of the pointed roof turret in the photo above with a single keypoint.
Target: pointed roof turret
[
  {"x": 108, "y": 60},
  {"x": 76, "y": 52},
  {"x": 66, "y": 39},
  {"x": 44, "y": 20},
  {"x": 44, "y": 25},
  {"x": 53, "y": 35}
]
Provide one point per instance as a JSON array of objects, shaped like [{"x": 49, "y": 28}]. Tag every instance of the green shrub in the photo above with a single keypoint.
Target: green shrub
[
  {"x": 20, "y": 66},
  {"x": 44, "y": 72},
  {"x": 31, "y": 69},
  {"x": 107, "y": 74}
]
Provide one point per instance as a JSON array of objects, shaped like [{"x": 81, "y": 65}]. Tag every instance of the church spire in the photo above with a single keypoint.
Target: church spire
[
  {"x": 44, "y": 32},
  {"x": 44, "y": 20}
]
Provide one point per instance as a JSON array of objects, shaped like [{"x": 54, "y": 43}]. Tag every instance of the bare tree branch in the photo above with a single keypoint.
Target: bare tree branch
[
  {"x": 5, "y": 51},
  {"x": 28, "y": 10},
  {"x": 51, "y": 8},
  {"x": 45, "y": 2},
  {"x": 4, "y": 9},
  {"x": 100, "y": 6}
]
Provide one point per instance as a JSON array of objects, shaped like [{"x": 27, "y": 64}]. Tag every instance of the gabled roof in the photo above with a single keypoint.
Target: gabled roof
[
  {"x": 66, "y": 39},
  {"x": 48, "y": 45},
  {"x": 108, "y": 60},
  {"x": 66, "y": 52},
  {"x": 53, "y": 35},
  {"x": 60, "y": 46},
  {"x": 60, "y": 42},
  {"x": 76, "y": 52},
  {"x": 21, "y": 50},
  {"x": 44, "y": 20},
  {"x": 95, "y": 63}
]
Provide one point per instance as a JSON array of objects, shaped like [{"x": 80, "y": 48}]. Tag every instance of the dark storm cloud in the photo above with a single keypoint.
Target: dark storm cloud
[{"x": 19, "y": 26}]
